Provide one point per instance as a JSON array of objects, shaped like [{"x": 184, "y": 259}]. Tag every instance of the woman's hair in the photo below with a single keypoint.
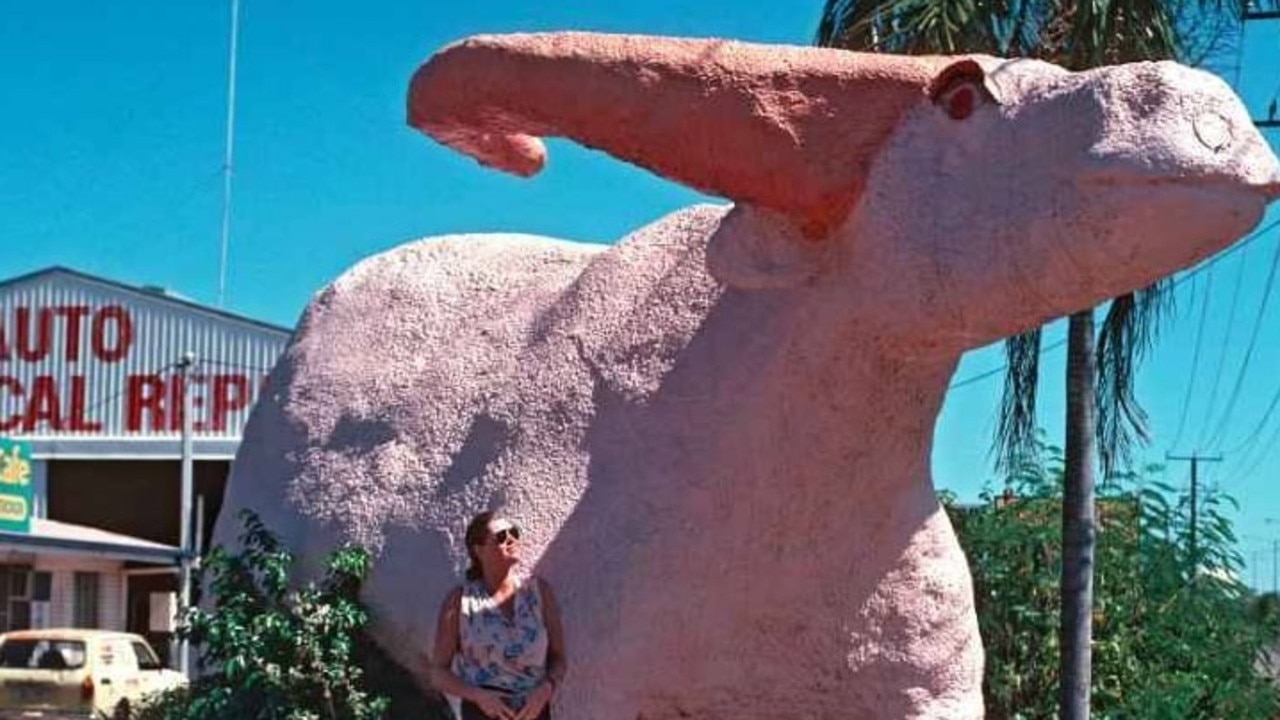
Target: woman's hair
[{"x": 477, "y": 534}]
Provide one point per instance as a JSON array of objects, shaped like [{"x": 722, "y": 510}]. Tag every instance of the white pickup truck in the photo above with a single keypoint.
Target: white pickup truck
[{"x": 73, "y": 673}]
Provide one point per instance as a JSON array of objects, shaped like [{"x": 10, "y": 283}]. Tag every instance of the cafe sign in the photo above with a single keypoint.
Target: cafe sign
[{"x": 15, "y": 486}]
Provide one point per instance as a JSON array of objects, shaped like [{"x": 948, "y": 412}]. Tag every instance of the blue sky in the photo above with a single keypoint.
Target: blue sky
[{"x": 112, "y": 139}]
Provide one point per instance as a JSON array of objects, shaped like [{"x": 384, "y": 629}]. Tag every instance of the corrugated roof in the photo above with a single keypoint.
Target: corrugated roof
[
  {"x": 141, "y": 292},
  {"x": 55, "y": 536},
  {"x": 82, "y": 357}
]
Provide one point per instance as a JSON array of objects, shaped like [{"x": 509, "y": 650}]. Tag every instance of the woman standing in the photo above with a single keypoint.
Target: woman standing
[{"x": 499, "y": 644}]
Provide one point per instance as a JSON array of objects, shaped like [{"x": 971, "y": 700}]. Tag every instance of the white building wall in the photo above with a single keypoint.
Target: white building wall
[
  {"x": 60, "y": 597},
  {"x": 111, "y": 610}
]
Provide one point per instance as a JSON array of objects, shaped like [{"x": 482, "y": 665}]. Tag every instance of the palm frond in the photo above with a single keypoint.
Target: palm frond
[
  {"x": 833, "y": 23},
  {"x": 1130, "y": 328},
  {"x": 853, "y": 24},
  {"x": 1079, "y": 34},
  {"x": 913, "y": 26},
  {"x": 1016, "y": 439}
]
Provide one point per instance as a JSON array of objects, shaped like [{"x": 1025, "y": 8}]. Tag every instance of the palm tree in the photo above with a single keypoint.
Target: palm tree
[{"x": 1099, "y": 377}]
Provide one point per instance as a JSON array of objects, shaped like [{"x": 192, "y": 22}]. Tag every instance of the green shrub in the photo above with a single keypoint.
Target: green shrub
[
  {"x": 271, "y": 653},
  {"x": 1176, "y": 634}
]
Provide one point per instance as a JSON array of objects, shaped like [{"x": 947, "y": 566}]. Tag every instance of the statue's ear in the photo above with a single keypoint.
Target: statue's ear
[{"x": 758, "y": 248}]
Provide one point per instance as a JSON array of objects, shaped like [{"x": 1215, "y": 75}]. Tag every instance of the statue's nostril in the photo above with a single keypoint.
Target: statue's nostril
[{"x": 1212, "y": 130}]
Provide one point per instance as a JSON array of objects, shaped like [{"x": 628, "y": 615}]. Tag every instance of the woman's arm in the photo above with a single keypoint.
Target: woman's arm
[
  {"x": 446, "y": 646},
  {"x": 557, "y": 662}
]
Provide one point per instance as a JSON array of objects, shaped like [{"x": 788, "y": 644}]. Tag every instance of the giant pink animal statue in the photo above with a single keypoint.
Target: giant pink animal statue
[{"x": 718, "y": 430}]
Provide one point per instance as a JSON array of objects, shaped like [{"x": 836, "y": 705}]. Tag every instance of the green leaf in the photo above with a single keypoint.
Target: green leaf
[{"x": 275, "y": 652}]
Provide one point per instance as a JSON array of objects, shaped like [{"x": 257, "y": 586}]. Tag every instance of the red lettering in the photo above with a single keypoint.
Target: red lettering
[
  {"x": 144, "y": 393},
  {"x": 4, "y": 343},
  {"x": 195, "y": 383},
  {"x": 14, "y": 420},
  {"x": 43, "y": 333},
  {"x": 230, "y": 394},
  {"x": 43, "y": 405},
  {"x": 77, "y": 422},
  {"x": 122, "y": 337},
  {"x": 72, "y": 315}
]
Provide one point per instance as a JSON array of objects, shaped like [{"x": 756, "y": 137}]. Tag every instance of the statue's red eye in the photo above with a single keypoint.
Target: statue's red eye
[
  {"x": 960, "y": 103},
  {"x": 961, "y": 99},
  {"x": 959, "y": 89}
]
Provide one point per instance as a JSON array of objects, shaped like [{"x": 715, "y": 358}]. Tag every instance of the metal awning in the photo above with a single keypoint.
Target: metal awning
[{"x": 61, "y": 538}]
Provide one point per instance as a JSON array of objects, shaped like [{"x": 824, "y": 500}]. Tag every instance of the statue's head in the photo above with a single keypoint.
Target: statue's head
[{"x": 955, "y": 199}]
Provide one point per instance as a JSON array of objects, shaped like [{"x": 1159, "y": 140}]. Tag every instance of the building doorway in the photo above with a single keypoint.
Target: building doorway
[{"x": 151, "y": 597}]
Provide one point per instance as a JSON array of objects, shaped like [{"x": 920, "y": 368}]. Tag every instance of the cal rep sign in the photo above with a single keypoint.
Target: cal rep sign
[{"x": 110, "y": 366}]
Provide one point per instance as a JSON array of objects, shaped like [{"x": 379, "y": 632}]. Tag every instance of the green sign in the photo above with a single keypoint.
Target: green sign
[{"x": 15, "y": 486}]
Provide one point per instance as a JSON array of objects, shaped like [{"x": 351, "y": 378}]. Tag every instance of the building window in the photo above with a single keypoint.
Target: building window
[
  {"x": 15, "y": 597},
  {"x": 42, "y": 586},
  {"x": 84, "y": 609}
]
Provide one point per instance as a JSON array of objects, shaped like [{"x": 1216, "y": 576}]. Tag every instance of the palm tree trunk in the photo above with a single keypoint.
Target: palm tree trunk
[{"x": 1076, "y": 659}]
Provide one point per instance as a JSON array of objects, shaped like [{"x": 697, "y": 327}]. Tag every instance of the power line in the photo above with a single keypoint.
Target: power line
[
  {"x": 1248, "y": 240},
  {"x": 115, "y": 395},
  {"x": 1271, "y": 407},
  {"x": 1188, "y": 275},
  {"x": 1262, "y": 456},
  {"x": 1195, "y": 356},
  {"x": 996, "y": 371},
  {"x": 1222, "y": 354},
  {"x": 1248, "y": 354},
  {"x": 1231, "y": 315}
]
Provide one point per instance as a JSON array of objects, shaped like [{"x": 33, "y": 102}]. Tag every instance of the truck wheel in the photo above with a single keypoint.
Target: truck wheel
[{"x": 123, "y": 711}]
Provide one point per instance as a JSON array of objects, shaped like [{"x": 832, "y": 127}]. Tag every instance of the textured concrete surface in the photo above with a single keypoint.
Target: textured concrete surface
[{"x": 718, "y": 430}]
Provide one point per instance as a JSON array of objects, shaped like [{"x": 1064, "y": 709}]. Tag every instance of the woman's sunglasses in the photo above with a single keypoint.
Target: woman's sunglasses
[{"x": 505, "y": 535}]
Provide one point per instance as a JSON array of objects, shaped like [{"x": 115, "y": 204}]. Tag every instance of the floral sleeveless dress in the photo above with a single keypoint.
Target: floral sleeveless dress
[{"x": 500, "y": 652}]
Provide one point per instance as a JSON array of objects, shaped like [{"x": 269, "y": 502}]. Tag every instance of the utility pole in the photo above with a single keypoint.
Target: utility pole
[
  {"x": 188, "y": 483},
  {"x": 1195, "y": 459},
  {"x": 1275, "y": 560},
  {"x": 228, "y": 163}
]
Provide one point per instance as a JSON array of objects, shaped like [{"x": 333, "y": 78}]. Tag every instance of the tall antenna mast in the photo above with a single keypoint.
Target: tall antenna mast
[{"x": 229, "y": 159}]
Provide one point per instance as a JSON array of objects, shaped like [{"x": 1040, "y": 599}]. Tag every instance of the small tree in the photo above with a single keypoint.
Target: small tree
[
  {"x": 1175, "y": 636},
  {"x": 272, "y": 653}
]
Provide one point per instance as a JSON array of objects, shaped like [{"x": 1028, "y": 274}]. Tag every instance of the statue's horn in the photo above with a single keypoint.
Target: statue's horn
[{"x": 793, "y": 129}]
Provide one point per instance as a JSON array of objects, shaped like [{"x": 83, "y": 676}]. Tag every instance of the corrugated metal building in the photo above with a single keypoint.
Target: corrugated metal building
[{"x": 89, "y": 382}]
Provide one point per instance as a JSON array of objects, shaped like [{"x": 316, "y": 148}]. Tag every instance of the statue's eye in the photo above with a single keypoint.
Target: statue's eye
[{"x": 961, "y": 97}]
